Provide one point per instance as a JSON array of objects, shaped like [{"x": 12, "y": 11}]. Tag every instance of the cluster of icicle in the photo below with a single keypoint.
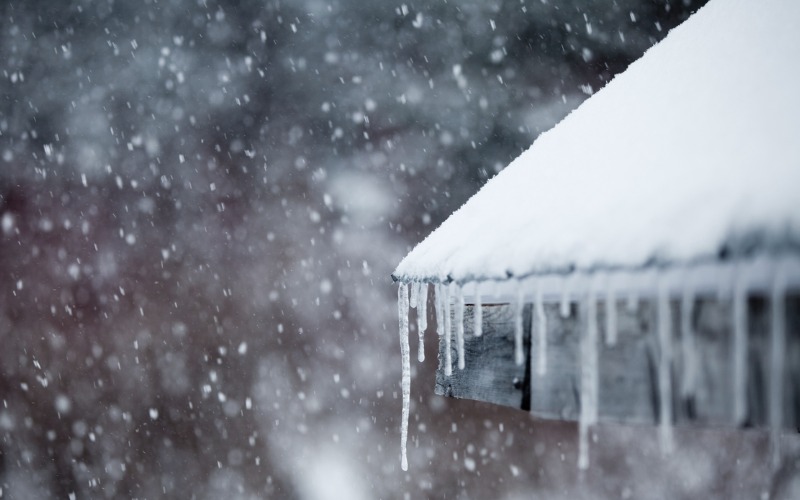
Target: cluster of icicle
[{"x": 740, "y": 280}]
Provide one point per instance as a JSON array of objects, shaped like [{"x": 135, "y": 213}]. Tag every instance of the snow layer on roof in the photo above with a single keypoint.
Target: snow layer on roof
[{"x": 695, "y": 148}]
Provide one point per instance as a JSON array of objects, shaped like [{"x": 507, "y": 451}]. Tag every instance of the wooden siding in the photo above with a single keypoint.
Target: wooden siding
[{"x": 628, "y": 371}]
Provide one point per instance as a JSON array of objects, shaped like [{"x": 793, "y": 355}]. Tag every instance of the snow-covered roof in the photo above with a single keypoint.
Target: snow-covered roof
[{"x": 692, "y": 152}]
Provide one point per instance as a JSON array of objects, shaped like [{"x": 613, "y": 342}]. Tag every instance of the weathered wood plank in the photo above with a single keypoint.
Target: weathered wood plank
[
  {"x": 496, "y": 378},
  {"x": 628, "y": 370}
]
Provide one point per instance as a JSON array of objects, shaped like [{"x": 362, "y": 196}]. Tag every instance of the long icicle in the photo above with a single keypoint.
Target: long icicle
[
  {"x": 531, "y": 368},
  {"x": 541, "y": 329},
  {"x": 459, "y": 304},
  {"x": 448, "y": 331},
  {"x": 594, "y": 368},
  {"x": 664, "y": 365},
  {"x": 519, "y": 357},
  {"x": 589, "y": 385},
  {"x": 422, "y": 319},
  {"x": 688, "y": 347},
  {"x": 740, "y": 348},
  {"x": 439, "y": 306},
  {"x": 402, "y": 312},
  {"x": 477, "y": 311},
  {"x": 777, "y": 360}
]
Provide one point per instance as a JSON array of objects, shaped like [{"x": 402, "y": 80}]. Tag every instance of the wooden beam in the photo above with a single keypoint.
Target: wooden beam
[{"x": 628, "y": 370}]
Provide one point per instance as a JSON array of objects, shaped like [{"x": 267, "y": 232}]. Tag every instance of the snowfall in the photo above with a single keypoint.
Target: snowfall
[{"x": 202, "y": 203}]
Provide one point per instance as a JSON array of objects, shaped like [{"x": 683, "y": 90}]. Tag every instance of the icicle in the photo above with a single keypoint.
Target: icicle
[
  {"x": 541, "y": 323},
  {"x": 412, "y": 303},
  {"x": 594, "y": 382},
  {"x": 531, "y": 368},
  {"x": 664, "y": 364},
  {"x": 565, "y": 297},
  {"x": 448, "y": 331},
  {"x": 611, "y": 314},
  {"x": 438, "y": 304},
  {"x": 777, "y": 360},
  {"x": 402, "y": 312},
  {"x": 459, "y": 325},
  {"x": 477, "y": 311},
  {"x": 519, "y": 357},
  {"x": 687, "y": 342},
  {"x": 422, "y": 319},
  {"x": 589, "y": 380},
  {"x": 740, "y": 347}
]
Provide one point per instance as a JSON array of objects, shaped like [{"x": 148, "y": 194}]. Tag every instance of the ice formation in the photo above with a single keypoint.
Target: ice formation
[
  {"x": 664, "y": 367},
  {"x": 740, "y": 347},
  {"x": 439, "y": 306},
  {"x": 422, "y": 319},
  {"x": 777, "y": 361},
  {"x": 448, "y": 331},
  {"x": 687, "y": 342},
  {"x": 519, "y": 357},
  {"x": 477, "y": 311},
  {"x": 541, "y": 329},
  {"x": 684, "y": 284},
  {"x": 459, "y": 313},
  {"x": 589, "y": 382},
  {"x": 402, "y": 311}
]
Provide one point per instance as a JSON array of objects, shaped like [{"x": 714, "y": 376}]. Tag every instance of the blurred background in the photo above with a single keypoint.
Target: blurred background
[{"x": 201, "y": 203}]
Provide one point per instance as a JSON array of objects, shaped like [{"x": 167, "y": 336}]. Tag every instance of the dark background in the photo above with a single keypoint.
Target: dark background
[{"x": 200, "y": 206}]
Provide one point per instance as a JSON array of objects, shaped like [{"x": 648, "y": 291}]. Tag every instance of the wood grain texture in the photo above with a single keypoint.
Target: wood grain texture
[
  {"x": 496, "y": 378},
  {"x": 628, "y": 370}
]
